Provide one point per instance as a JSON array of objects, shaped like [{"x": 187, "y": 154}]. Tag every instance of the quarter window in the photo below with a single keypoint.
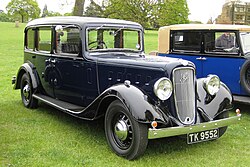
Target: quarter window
[{"x": 30, "y": 37}]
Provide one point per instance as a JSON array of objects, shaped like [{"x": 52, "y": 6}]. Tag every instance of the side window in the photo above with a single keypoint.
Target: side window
[
  {"x": 68, "y": 41},
  {"x": 44, "y": 39},
  {"x": 30, "y": 39},
  {"x": 221, "y": 42},
  {"x": 186, "y": 41}
]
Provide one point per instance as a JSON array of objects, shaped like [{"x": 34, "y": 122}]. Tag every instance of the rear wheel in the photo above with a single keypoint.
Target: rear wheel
[
  {"x": 127, "y": 137},
  {"x": 27, "y": 91},
  {"x": 245, "y": 76}
]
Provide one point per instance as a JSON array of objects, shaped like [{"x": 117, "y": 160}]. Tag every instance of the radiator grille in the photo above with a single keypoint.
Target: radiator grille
[{"x": 184, "y": 94}]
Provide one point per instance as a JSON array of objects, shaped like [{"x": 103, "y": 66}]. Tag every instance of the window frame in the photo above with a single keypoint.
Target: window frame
[
  {"x": 65, "y": 54},
  {"x": 140, "y": 39},
  {"x": 26, "y": 41},
  {"x": 202, "y": 48},
  {"x": 37, "y": 39}
]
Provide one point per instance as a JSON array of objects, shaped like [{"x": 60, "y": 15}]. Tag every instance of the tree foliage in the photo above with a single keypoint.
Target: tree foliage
[
  {"x": 4, "y": 17},
  {"x": 172, "y": 12},
  {"x": 24, "y": 9},
  {"x": 149, "y": 13},
  {"x": 135, "y": 10},
  {"x": 95, "y": 10},
  {"x": 47, "y": 13}
]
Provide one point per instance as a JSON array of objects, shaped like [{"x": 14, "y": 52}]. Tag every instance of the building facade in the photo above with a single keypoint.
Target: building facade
[{"x": 235, "y": 12}]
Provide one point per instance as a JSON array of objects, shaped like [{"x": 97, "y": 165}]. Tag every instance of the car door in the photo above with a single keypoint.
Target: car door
[
  {"x": 75, "y": 77},
  {"x": 42, "y": 58}
]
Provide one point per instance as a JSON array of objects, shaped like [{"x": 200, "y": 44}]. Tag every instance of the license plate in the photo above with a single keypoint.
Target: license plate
[{"x": 202, "y": 136}]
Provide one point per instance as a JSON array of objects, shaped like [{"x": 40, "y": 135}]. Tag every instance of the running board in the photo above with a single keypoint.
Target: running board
[
  {"x": 59, "y": 104},
  {"x": 242, "y": 99}
]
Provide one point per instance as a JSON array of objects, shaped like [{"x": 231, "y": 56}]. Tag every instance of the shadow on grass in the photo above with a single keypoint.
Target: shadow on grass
[{"x": 94, "y": 129}]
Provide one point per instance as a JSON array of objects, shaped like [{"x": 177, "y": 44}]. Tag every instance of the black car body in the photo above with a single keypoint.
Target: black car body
[{"x": 96, "y": 68}]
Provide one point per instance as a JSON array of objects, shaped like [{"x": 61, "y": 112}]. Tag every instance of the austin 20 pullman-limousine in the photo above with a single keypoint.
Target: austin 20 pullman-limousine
[
  {"x": 223, "y": 50},
  {"x": 96, "y": 68}
]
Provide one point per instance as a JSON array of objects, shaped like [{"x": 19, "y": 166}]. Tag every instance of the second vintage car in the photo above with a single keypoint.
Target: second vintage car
[
  {"x": 223, "y": 50},
  {"x": 96, "y": 68}
]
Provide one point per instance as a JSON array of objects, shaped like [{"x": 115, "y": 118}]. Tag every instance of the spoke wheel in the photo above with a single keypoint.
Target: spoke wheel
[
  {"x": 26, "y": 92},
  {"x": 125, "y": 136},
  {"x": 245, "y": 76}
]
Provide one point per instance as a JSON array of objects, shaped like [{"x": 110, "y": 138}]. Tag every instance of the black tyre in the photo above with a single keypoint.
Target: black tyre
[
  {"x": 221, "y": 116},
  {"x": 27, "y": 91},
  {"x": 127, "y": 137},
  {"x": 245, "y": 76}
]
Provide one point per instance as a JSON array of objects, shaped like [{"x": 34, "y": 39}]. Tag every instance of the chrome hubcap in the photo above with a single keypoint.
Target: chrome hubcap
[
  {"x": 121, "y": 130},
  {"x": 26, "y": 91}
]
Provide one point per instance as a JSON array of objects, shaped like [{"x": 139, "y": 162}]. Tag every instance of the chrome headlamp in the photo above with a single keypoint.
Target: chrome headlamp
[
  {"x": 163, "y": 88},
  {"x": 212, "y": 84}
]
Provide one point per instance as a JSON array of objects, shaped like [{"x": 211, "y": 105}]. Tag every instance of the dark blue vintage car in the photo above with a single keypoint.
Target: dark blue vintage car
[
  {"x": 96, "y": 68},
  {"x": 223, "y": 50}
]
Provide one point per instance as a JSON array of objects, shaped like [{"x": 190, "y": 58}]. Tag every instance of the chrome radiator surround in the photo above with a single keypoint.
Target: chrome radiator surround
[{"x": 184, "y": 94}]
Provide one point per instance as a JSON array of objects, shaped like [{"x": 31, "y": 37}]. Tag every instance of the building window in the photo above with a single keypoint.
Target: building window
[
  {"x": 239, "y": 9},
  {"x": 239, "y": 17}
]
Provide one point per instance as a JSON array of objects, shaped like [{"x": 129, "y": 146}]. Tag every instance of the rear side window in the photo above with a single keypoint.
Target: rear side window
[
  {"x": 30, "y": 39},
  {"x": 186, "y": 41},
  {"x": 68, "y": 41},
  {"x": 44, "y": 39}
]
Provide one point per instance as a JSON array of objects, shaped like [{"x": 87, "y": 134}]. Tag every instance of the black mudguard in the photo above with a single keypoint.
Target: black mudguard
[
  {"x": 138, "y": 103},
  {"x": 212, "y": 106},
  {"x": 29, "y": 69}
]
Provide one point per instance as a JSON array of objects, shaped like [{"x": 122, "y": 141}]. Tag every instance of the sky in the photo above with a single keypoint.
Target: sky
[{"x": 200, "y": 10}]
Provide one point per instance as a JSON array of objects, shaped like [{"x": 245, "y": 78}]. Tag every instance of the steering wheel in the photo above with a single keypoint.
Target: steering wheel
[{"x": 98, "y": 45}]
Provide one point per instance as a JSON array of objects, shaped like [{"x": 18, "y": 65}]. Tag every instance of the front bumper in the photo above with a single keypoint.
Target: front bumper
[{"x": 154, "y": 133}]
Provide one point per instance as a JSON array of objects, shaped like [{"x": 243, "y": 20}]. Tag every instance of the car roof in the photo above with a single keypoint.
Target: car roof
[
  {"x": 81, "y": 21},
  {"x": 206, "y": 27}
]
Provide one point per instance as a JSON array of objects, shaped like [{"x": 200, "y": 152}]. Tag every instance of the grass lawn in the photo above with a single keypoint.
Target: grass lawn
[{"x": 47, "y": 137}]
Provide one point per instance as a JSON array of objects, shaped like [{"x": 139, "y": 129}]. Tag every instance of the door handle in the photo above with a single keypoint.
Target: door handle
[
  {"x": 53, "y": 61},
  {"x": 201, "y": 58}
]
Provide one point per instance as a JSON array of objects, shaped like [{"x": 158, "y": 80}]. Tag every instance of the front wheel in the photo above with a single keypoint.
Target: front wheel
[
  {"x": 27, "y": 91},
  {"x": 127, "y": 137}
]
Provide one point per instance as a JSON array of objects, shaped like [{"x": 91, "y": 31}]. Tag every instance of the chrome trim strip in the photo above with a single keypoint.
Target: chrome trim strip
[{"x": 181, "y": 130}]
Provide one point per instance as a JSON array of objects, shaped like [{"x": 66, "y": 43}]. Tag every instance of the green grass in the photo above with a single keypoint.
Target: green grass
[
  {"x": 150, "y": 40},
  {"x": 47, "y": 137}
]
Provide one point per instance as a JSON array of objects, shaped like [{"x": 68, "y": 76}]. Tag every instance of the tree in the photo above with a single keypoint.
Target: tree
[
  {"x": 45, "y": 11},
  {"x": 25, "y": 9},
  {"x": 78, "y": 8},
  {"x": 149, "y": 13},
  {"x": 95, "y": 10},
  {"x": 4, "y": 17},
  {"x": 134, "y": 10},
  {"x": 171, "y": 12}
]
